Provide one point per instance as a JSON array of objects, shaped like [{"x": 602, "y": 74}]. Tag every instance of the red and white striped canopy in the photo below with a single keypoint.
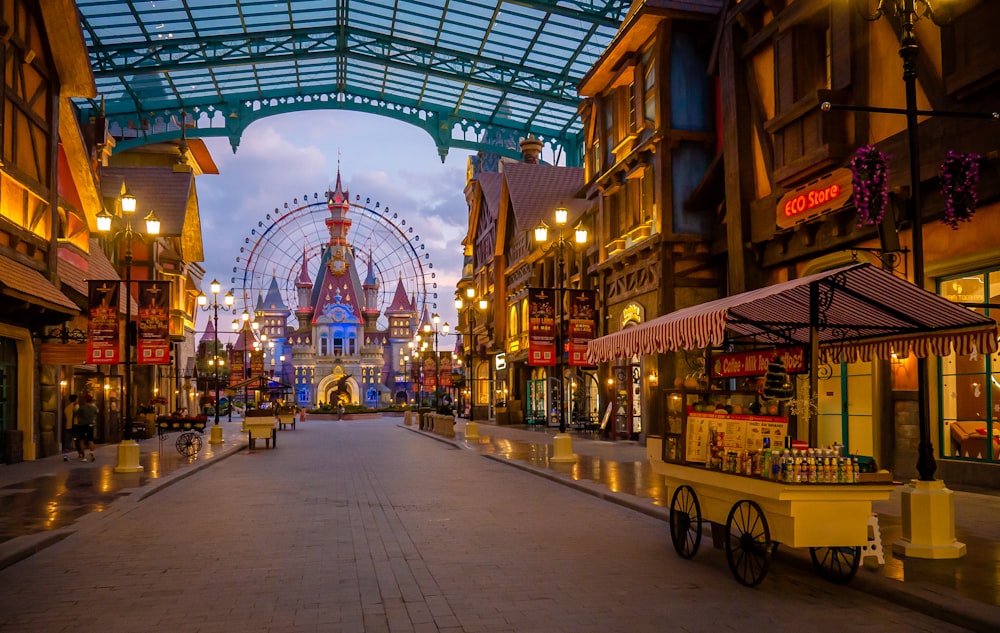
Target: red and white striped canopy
[{"x": 861, "y": 312}]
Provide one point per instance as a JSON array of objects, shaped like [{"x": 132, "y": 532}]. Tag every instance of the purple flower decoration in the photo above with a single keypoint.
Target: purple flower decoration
[
  {"x": 959, "y": 177},
  {"x": 869, "y": 177}
]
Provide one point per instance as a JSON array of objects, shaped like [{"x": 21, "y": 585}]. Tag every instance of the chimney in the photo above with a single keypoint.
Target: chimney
[{"x": 531, "y": 147}]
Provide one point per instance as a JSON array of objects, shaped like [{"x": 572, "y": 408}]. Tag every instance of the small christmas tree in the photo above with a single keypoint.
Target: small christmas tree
[{"x": 777, "y": 386}]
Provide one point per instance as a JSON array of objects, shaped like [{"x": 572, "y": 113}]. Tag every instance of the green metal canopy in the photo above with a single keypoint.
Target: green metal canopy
[{"x": 475, "y": 74}]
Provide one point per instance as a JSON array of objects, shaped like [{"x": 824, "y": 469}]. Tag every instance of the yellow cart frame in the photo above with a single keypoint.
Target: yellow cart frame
[{"x": 758, "y": 514}]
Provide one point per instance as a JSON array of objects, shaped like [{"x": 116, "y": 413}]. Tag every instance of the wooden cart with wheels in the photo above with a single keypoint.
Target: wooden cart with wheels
[
  {"x": 189, "y": 441},
  {"x": 758, "y": 514}
]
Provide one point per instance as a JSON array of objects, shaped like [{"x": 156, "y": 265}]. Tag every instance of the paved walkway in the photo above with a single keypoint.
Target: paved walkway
[{"x": 370, "y": 526}]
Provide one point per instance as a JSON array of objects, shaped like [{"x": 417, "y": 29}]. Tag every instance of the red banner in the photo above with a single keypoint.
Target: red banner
[
  {"x": 541, "y": 327},
  {"x": 430, "y": 382},
  {"x": 582, "y": 325},
  {"x": 445, "y": 371},
  {"x": 103, "y": 340},
  {"x": 755, "y": 363},
  {"x": 153, "y": 327}
]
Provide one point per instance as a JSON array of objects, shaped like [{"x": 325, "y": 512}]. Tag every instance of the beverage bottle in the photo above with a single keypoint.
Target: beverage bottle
[{"x": 855, "y": 471}]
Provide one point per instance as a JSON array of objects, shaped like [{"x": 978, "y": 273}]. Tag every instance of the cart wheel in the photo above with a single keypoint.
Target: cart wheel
[
  {"x": 685, "y": 521},
  {"x": 836, "y": 564},
  {"x": 188, "y": 444},
  {"x": 748, "y": 543}
]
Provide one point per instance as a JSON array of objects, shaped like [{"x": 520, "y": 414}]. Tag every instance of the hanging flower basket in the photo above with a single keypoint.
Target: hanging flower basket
[
  {"x": 959, "y": 178},
  {"x": 870, "y": 177}
]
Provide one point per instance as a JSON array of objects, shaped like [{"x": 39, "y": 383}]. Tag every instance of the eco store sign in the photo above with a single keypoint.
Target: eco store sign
[{"x": 813, "y": 199}]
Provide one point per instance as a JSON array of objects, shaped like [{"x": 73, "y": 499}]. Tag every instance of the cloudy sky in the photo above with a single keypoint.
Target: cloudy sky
[{"x": 291, "y": 155}]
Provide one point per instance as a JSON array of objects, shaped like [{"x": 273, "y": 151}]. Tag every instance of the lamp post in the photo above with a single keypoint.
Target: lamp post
[
  {"x": 128, "y": 450},
  {"x": 928, "y": 509},
  {"x": 561, "y": 443},
  {"x": 470, "y": 294},
  {"x": 228, "y": 301},
  {"x": 436, "y": 329}
]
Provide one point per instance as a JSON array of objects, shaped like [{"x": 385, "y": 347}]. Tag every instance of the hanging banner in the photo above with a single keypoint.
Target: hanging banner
[
  {"x": 541, "y": 327},
  {"x": 237, "y": 367},
  {"x": 445, "y": 371},
  {"x": 103, "y": 341},
  {"x": 430, "y": 382},
  {"x": 256, "y": 363},
  {"x": 153, "y": 326},
  {"x": 582, "y": 325}
]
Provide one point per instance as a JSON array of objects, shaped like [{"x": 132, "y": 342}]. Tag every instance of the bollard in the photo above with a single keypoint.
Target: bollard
[
  {"x": 562, "y": 448},
  {"x": 471, "y": 431}
]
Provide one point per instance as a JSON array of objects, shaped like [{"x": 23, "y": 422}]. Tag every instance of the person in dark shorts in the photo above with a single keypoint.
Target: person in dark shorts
[{"x": 83, "y": 429}]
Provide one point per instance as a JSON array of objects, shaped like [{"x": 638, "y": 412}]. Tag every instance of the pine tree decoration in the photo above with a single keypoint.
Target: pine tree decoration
[{"x": 777, "y": 386}]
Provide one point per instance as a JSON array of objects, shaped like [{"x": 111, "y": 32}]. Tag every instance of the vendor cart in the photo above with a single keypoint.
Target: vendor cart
[
  {"x": 757, "y": 515},
  {"x": 704, "y": 446},
  {"x": 188, "y": 442}
]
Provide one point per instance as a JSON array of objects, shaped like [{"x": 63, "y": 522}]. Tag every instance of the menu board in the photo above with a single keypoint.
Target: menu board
[{"x": 740, "y": 433}]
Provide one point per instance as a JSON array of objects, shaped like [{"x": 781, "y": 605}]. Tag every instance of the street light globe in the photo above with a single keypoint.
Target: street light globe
[
  {"x": 202, "y": 299},
  {"x": 470, "y": 292},
  {"x": 445, "y": 328},
  {"x": 215, "y": 286},
  {"x": 562, "y": 213}
]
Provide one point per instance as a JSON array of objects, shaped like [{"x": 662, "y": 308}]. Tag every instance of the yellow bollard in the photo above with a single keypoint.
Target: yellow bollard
[
  {"x": 215, "y": 437},
  {"x": 471, "y": 431},
  {"x": 562, "y": 448},
  {"x": 128, "y": 457}
]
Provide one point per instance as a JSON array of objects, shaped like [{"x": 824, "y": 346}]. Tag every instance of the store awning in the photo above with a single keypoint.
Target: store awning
[
  {"x": 27, "y": 284},
  {"x": 859, "y": 312}
]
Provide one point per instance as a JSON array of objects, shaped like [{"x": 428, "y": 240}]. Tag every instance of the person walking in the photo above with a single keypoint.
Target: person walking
[
  {"x": 340, "y": 411},
  {"x": 69, "y": 419},
  {"x": 83, "y": 430}
]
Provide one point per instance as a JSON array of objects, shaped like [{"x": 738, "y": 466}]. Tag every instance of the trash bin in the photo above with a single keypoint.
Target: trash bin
[{"x": 13, "y": 445}]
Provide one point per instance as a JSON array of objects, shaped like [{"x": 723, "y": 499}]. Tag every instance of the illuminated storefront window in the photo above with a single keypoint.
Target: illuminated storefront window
[{"x": 970, "y": 383}]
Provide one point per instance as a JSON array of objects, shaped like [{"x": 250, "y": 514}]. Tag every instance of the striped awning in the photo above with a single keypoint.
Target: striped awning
[{"x": 858, "y": 312}]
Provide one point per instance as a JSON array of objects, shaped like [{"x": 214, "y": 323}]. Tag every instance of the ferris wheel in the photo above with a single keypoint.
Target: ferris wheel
[{"x": 274, "y": 249}]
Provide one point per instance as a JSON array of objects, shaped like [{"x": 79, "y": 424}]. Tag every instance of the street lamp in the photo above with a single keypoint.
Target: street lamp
[
  {"x": 926, "y": 501},
  {"x": 428, "y": 329},
  {"x": 128, "y": 450},
  {"x": 228, "y": 301},
  {"x": 542, "y": 237},
  {"x": 469, "y": 305}
]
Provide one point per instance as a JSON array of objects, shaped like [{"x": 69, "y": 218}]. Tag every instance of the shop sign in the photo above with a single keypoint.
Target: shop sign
[
  {"x": 500, "y": 361},
  {"x": 815, "y": 198},
  {"x": 632, "y": 313},
  {"x": 755, "y": 363}
]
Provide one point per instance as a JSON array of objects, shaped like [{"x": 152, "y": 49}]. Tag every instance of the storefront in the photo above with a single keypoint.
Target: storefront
[{"x": 845, "y": 319}]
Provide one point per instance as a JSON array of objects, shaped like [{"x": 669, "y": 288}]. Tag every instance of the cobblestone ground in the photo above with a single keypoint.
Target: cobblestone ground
[{"x": 366, "y": 526}]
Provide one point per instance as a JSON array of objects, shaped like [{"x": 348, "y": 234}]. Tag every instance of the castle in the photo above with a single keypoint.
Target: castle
[{"x": 338, "y": 350}]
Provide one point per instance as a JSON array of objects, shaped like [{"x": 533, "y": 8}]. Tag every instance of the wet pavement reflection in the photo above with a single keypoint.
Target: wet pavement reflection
[
  {"x": 624, "y": 469},
  {"x": 62, "y": 492}
]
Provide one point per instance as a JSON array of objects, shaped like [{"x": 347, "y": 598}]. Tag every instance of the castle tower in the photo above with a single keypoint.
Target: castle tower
[
  {"x": 370, "y": 312},
  {"x": 338, "y": 202},
  {"x": 303, "y": 289}
]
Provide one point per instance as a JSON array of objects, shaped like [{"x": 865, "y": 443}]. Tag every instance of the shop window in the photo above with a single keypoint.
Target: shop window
[
  {"x": 806, "y": 139},
  {"x": 969, "y": 389},
  {"x": 649, "y": 90},
  {"x": 324, "y": 346}
]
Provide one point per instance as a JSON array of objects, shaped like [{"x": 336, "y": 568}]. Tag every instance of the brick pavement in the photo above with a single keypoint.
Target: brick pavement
[{"x": 363, "y": 526}]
